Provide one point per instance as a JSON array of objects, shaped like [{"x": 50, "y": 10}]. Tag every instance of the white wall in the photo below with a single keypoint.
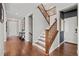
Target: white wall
[
  {"x": 5, "y": 19},
  {"x": 19, "y": 25}
]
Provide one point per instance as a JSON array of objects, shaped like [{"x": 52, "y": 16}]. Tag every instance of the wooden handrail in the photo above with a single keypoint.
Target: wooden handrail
[
  {"x": 44, "y": 9},
  {"x": 44, "y": 12},
  {"x": 51, "y": 25}
]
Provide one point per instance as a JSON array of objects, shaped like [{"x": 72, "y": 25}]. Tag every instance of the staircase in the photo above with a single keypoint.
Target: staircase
[
  {"x": 41, "y": 41},
  {"x": 48, "y": 36}
]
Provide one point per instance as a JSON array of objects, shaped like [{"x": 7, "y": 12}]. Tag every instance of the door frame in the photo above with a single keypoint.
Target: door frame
[
  {"x": 27, "y": 27},
  {"x": 61, "y": 31},
  {"x": 31, "y": 27}
]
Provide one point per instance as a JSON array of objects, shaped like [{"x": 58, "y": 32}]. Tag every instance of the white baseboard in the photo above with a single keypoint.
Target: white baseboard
[
  {"x": 61, "y": 43},
  {"x": 71, "y": 42},
  {"x": 56, "y": 47}
]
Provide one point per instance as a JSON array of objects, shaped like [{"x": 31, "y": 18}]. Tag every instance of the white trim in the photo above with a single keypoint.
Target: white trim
[
  {"x": 56, "y": 47},
  {"x": 71, "y": 42},
  {"x": 12, "y": 19},
  {"x": 27, "y": 29},
  {"x": 4, "y": 23}
]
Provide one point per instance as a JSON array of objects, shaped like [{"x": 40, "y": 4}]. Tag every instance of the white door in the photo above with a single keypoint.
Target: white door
[
  {"x": 12, "y": 28},
  {"x": 70, "y": 33}
]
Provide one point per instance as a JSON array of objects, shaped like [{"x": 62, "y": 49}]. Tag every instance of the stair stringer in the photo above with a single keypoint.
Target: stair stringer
[{"x": 55, "y": 43}]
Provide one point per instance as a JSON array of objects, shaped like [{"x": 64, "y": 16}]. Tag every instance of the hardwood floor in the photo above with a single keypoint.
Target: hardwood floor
[
  {"x": 13, "y": 46},
  {"x": 16, "y": 47},
  {"x": 66, "y": 49},
  {"x": 31, "y": 50}
]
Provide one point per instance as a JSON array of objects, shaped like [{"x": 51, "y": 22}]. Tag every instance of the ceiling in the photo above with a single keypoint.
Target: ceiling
[{"x": 19, "y": 10}]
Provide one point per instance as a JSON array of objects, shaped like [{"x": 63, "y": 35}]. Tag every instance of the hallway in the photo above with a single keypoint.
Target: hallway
[{"x": 14, "y": 46}]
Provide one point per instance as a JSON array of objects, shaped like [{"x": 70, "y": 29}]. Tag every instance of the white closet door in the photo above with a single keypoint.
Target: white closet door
[
  {"x": 12, "y": 28},
  {"x": 70, "y": 30}
]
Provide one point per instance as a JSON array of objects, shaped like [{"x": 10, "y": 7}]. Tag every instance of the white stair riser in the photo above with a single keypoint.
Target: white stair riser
[
  {"x": 43, "y": 43},
  {"x": 43, "y": 40},
  {"x": 42, "y": 36}
]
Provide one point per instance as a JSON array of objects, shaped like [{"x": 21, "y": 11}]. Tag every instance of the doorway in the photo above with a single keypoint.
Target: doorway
[
  {"x": 12, "y": 28},
  {"x": 61, "y": 27},
  {"x": 69, "y": 25},
  {"x": 31, "y": 28}
]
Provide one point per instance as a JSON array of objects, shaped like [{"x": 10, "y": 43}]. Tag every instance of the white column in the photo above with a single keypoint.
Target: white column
[
  {"x": 26, "y": 28},
  {"x": 1, "y": 39}
]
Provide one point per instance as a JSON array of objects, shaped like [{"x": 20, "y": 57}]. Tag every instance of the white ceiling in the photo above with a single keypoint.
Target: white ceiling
[{"x": 19, "y": 10}]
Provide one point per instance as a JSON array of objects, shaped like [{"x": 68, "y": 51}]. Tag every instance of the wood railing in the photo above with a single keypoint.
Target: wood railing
[
  {"x": 44, "y": 12},
  {"x": 51, "y": 33}
]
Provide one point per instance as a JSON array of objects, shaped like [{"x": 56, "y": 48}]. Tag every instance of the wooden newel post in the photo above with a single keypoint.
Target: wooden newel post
[{"x": 47, "y": 41}]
